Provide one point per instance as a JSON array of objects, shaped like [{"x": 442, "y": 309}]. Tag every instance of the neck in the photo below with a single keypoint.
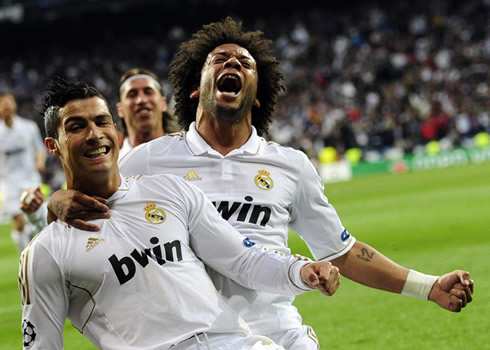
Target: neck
[
  {"x": 9, "y": 121},
  {"x": 101, "y": 186},
  {"x": 223, "y": 136},
  {"x": 137, "y": 138}
]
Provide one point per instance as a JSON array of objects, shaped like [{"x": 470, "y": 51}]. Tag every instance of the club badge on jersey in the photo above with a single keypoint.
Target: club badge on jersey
[
  {"x": 153, "y": 214},
  {"x": 263, "y": 180}
]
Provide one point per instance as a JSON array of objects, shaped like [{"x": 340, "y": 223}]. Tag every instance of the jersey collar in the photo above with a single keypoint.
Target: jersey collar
[
  {"x": 121, "y": 191},
  {"x": 198, "y": 146}
]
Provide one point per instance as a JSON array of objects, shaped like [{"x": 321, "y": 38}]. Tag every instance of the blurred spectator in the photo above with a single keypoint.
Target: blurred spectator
[{"x": 378, "y": 75}]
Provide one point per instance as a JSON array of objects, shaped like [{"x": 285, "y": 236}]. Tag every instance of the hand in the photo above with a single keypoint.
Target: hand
[
  {"x": 453, "y": 290},
  {"x": 76, "y": 208},
  {"x": 322, "y": 276},
  {"x": 30, "y": 200}
]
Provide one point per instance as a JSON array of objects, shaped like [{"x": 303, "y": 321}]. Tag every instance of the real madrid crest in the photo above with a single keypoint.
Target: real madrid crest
[
  {"x": 153, "y": 214},
  {"x": 263, "y": 180}
]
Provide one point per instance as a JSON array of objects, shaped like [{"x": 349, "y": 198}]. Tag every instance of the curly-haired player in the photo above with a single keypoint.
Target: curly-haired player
[{"x": 227, "y": 82}]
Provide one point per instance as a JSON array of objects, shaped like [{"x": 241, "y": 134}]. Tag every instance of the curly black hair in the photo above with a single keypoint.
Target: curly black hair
[
  {"x": 185, "y": 69},
  {"x": 59, "y": 92}
]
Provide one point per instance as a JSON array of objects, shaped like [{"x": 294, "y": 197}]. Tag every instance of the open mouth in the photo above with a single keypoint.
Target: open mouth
[
  {"x": 143, "y": 111},
  {"x": 101, "y": 151},
  {"x": 229, "y": 83}
]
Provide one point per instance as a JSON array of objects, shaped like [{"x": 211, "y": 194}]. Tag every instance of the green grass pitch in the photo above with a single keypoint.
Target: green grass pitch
[{"x": 433, "y": 221}]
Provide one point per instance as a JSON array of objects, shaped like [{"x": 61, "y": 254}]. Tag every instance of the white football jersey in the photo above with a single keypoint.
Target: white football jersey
[
  {"x": 262, "y": 189},
  {"x": 125, "y": 148},
  {"x": 18, "y": 147},
  {"x": 140, "y": 283}
]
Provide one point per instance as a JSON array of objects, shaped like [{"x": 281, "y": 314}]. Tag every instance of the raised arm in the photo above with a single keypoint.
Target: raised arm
[
  {"x": 369, "y": 267},
  {"x": 76, "y": 208}
]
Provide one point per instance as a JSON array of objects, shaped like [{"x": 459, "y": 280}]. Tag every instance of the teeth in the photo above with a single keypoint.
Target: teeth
[
  {"x": 229, "y": 76},
  {"x": 96, "y": 152}
]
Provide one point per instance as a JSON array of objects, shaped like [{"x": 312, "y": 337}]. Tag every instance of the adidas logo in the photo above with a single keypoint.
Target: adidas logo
[
  {"x": 192, "y": 176},
  {"x": 92, "y": 243}
]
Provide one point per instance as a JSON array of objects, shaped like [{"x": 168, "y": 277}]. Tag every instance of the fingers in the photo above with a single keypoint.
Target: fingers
[
  {"x": 91, "y": 203},
  {"x": 31, "y": 200},
  {"x": 322, "y": 276},
  {"x": 83, "y": 225},
  {"x": 454, "y": 290}
]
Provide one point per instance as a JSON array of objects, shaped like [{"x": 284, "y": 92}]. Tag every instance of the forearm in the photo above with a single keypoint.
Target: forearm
[{"x": 365, "y": 265}]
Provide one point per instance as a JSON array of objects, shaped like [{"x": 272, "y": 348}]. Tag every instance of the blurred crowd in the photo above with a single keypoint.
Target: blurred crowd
[{"x": 384, "y": 77}]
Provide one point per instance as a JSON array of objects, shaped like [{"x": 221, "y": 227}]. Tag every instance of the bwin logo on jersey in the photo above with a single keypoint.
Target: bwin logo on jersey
[
  {"x": 153, "y": 214},
  {"x": 125, "y": 267},
  {"x": 263, "y": 180},
  {"x": 246, "y": 211}
]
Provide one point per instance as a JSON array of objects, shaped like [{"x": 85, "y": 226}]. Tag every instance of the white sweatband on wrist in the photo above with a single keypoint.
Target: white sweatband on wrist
[{"x": 418, "y": 285}]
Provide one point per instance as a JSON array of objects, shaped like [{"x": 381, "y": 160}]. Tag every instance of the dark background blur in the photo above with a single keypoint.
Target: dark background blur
[{"x": 383, "y": 76}]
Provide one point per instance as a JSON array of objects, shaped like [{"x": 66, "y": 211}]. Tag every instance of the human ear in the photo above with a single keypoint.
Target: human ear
[
  {"x": 52, "y": 146},
  {"x": 119, "y": 110},
  {"x": 194, "y": 93}
]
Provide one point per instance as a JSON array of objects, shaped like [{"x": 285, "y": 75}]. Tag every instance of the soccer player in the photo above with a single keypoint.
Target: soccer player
[
  {"x": 141, "y": 283},
  {"x": 22, "y": 160},
  {"x": 226, "y": 82},
  {"x": 144, "y": 115},
  {"x": 142, "y": 107}
]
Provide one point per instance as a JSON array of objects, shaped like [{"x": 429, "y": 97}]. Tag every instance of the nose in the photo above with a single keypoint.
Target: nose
[
  {"x": 141, "y": 97},
  {"x": 94, "y": 133},
  {"x": 233, "y": 62}
]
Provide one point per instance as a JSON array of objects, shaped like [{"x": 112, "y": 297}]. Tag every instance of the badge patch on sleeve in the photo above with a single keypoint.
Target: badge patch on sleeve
[
  {"x": 345, "y": 235},
  {"x": 28, "y": 333},
  {"x": 248, "y": 243}
]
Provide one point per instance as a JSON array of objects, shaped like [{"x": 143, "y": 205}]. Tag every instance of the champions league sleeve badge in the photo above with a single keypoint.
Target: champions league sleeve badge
[{"x": 263, "y": 180}]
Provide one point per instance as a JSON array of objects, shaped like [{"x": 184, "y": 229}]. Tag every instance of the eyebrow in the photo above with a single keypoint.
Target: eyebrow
[
  {"x": 227, "y": 53},
  {"x": 76, "y": 118}
]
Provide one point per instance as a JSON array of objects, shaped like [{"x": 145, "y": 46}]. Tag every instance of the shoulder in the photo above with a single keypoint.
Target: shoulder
[
  {"x": 155, "y": 148},
  {"x": 165, "y": 182},
  {"x": 24, "y": 122},
  {"x": 284, "y": 154},
  {"x": 163, "y": 141}
]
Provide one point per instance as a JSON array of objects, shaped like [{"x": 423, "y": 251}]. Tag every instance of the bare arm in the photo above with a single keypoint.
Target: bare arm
[
  {"x": 369, "y": 267},
  {"x": 76, "y": 208}
]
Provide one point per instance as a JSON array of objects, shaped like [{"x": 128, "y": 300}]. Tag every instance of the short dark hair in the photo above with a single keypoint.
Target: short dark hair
[
  {"x": 185, "y": 69},
  {"x": 59, "y": 92}
]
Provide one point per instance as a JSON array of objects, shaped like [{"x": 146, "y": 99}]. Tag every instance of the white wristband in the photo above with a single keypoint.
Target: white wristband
[{"x": 418, "y": 285}]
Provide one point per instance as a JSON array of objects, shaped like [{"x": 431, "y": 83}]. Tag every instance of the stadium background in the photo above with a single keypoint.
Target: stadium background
[{"x": 372, "y": 83}]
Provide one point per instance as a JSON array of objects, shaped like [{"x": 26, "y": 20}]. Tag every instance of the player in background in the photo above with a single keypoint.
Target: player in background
[
  {"x": 143, "y": 108},
  {"x": 22, "y": 161},
  {"x": 225, "y": 86},
  {"x": 141, "y": 282}
]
